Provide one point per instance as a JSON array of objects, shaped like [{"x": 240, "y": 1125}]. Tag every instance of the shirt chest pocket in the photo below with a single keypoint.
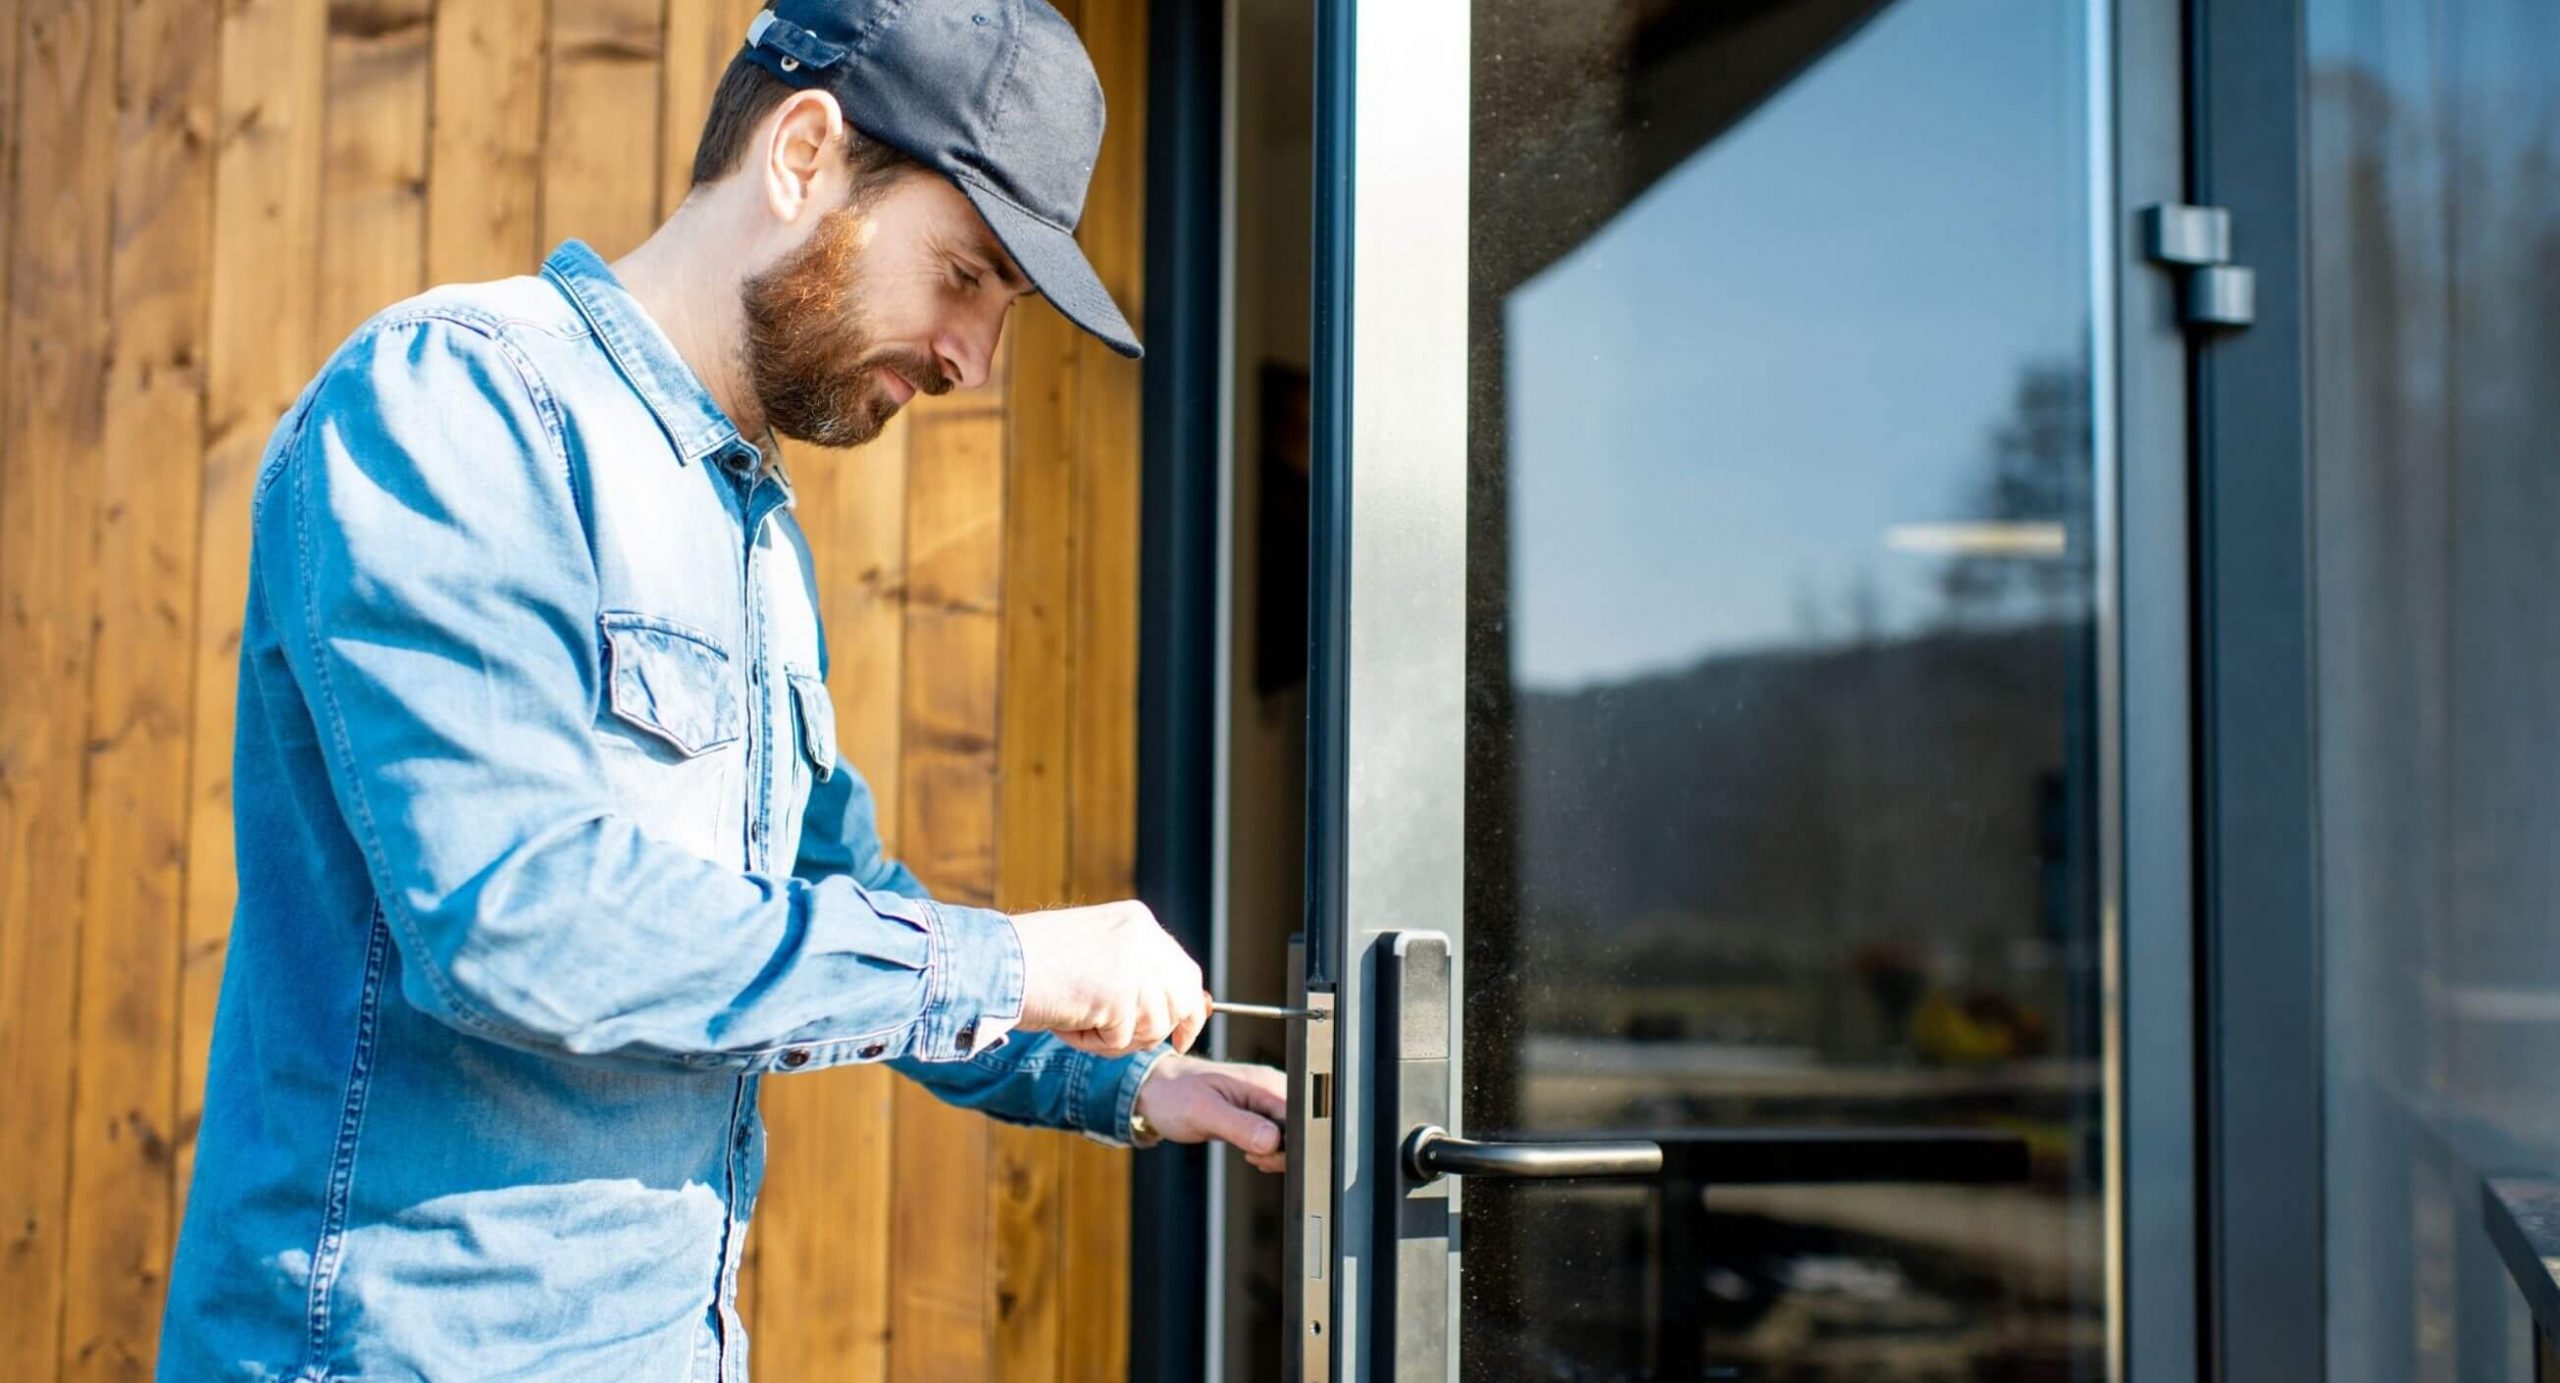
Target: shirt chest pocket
[
  {"x": 809, "y": 754},
  {"x": 670, "y": 684},
  {"x": 815, "y": 717}
]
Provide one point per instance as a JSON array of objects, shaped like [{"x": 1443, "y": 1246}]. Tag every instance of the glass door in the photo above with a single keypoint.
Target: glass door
[{"x": 1719, "y": 840}]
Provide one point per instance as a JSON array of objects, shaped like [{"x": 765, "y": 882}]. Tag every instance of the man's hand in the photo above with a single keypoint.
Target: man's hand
[
  {"x": 1108, "y": 980},
  {"x": 1192, "y": 1100}
]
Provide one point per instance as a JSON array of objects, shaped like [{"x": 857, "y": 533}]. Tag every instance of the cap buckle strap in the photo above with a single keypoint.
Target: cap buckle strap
[{"x": 798, "y": 47}]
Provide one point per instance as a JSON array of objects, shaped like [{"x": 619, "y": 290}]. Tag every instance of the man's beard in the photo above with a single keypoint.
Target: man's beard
[{"x": 810, "y": 355}]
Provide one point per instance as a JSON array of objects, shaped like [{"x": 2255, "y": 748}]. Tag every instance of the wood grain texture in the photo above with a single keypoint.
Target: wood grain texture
[
  {"x": 1104, "y": 787},
  {"x": 867, "y": 611},
  {"x": 1094, "y": 1236},
  {"x": 955, "y": 483},
  {"x": 1026, "y": 1263},
  {"x": 10, "y": 29},
  {"x": 485, "y": 150},
  {"x": 373, "y": 173},
  {"x": 49, "y": 442},
  {"x": 821, "y": 1289},
  {"x": 1039, "y": 674},
  {"x": 702, "y": 35},
  {"x": 939, "y": 1314},
  {"x": 938, "y": 1309},
  {"x": 1102, "y": 798},
  {"x": 601, "y": 122},
  {"x": 125, "y": 1087},
  {"x": 1035, "y": 724}
]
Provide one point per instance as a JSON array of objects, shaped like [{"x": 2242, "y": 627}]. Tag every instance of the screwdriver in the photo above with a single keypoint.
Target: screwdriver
[{"x": 1222, "y": 1007}]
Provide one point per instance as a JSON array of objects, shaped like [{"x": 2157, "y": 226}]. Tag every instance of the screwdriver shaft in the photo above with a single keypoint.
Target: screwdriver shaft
[{"x": 1221, "y": 1006}]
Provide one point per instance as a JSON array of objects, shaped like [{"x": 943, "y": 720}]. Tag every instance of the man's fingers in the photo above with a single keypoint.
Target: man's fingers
[
  {"x": 1091, "y": 1041},
  {"x": 1121, "y": 1036},
  {"x": 1244, "y": 1128},
  {"x": 1274, "y": 1163},
  {"x": 1262, "y": 1090},
  {"x": 1154, "y": 1022},
  {"x": 1189, "y": 1019}
]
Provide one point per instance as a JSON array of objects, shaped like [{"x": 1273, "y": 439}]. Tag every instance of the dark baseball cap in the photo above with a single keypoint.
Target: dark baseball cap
[{"x": 996, "y": 95}]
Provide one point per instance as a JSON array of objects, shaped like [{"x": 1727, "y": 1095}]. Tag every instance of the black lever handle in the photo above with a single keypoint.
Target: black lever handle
[{"x": 1431, "y": 1152}]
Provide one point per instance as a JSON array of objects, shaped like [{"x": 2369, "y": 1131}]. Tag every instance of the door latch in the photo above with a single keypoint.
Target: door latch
[
  {"x": 1306, "y": 1250},
  {"x": 2195, "y": 241}
]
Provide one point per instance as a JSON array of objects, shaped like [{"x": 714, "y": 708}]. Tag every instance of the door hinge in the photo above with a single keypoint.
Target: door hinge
[{"x": 2196, "y": 242}]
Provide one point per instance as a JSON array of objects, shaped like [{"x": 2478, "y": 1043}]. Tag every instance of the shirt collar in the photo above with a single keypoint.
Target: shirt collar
[{"x": 694, "y": 423}]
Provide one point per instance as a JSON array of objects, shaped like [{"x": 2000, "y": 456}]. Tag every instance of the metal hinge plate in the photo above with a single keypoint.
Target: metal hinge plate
[{"x": 2195, "y": 241}]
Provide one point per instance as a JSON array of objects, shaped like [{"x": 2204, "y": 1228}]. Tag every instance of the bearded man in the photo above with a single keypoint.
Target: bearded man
[{"x": 546, "y": 855}]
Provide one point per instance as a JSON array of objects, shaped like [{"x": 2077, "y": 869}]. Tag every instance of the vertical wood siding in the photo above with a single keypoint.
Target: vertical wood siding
[{"x": 197, "y": 202}]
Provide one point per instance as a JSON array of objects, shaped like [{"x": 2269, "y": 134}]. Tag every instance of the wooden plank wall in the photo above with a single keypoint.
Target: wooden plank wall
[{"x": 197, "y": 201}]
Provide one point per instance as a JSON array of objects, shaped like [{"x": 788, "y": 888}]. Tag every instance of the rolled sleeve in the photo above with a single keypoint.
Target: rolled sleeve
[
  {"x": 1041, "y": 1081},
  {"x": 977, "y": 991},
  {"x": 967, "y": 1050},
  {"x": 1112, "y": 1097}
]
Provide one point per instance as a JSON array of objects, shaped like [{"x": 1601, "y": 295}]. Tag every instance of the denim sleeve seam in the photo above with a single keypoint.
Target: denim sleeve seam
[
  {"x": 329, "y": 1251},
  {"x": 283, "y": 461},
  {"x": 937, "y": 986},
  {"x": 546, "y": 406}
]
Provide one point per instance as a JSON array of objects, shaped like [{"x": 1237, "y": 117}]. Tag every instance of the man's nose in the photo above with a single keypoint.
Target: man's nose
[{"x": 968, "y": 348}]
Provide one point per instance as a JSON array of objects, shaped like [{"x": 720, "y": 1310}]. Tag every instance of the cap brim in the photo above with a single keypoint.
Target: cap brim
[{"x": 1054, "y": 263}]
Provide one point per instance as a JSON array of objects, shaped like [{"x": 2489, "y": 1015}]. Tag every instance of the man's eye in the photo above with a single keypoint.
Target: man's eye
[{"x": 961, "y": 273}]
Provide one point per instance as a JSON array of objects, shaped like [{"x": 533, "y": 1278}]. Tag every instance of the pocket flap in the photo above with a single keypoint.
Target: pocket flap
[
  {"x": 672, "y": 681},
  {"x": 817, "y": 717}
]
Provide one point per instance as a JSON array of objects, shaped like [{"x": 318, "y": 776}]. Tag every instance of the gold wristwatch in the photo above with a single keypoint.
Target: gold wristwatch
[{"x": 1141, "y": 1133}]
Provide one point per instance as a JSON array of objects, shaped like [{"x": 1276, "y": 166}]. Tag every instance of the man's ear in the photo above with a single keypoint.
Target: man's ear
[{"x": 800, "y": 136}]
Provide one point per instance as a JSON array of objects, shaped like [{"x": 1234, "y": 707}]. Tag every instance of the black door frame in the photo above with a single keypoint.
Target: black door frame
[
  {"x": 1178, "y": 632},
  {"x": 2263, "y": 1272}
]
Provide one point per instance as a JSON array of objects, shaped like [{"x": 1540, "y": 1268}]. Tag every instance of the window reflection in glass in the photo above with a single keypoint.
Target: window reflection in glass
[
  {"x": 1781, "y": 739},
  {"x": 2433, "y": 171}
]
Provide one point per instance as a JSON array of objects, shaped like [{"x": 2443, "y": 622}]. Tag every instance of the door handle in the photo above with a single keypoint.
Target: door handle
[{"x": 1432, "y": 1152}]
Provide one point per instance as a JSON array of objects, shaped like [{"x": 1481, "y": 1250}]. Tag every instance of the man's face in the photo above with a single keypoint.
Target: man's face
[{"x": 900, "y": 295}]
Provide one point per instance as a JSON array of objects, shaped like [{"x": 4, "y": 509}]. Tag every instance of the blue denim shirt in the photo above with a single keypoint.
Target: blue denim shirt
[{"x": 546, "y": 856}]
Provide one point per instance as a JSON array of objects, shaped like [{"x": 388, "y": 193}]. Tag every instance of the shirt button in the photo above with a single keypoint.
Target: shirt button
[
  {"x": 796, "y": 1058},
  {"x": 872, "y": 1051}
]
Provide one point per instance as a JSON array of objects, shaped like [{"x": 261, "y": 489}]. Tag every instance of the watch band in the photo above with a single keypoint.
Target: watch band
[{"x": 1141, "y": 1133}]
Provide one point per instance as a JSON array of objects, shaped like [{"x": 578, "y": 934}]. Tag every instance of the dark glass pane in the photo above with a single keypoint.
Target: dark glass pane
[{"x": 1781, "y": 790}]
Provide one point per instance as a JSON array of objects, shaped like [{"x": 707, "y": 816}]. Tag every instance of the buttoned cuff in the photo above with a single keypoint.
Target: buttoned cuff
[
  {"x": 1109, "y": 1095},
  {"x": 973, "y": 997}
]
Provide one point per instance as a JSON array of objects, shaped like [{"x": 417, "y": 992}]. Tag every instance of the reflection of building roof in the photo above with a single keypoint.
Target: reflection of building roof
[{"x": 1598, "y": 99}]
